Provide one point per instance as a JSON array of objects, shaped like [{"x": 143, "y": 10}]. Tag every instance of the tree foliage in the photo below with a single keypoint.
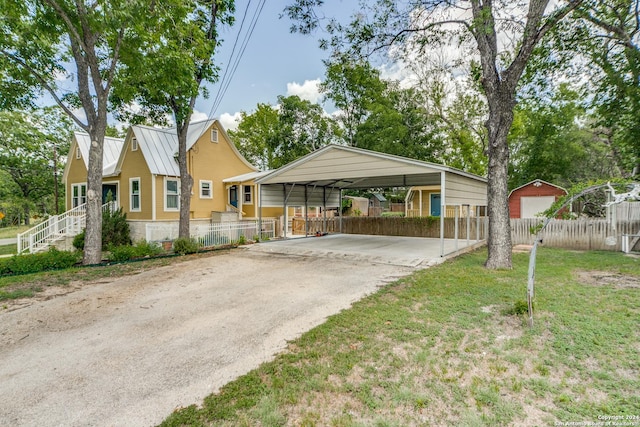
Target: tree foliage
[
  {"x": 271, "y": 137},
  {"x": 30, "y": 148},
  {"x": 174, "y": 56},
  {"x": 601, "y": 40}
]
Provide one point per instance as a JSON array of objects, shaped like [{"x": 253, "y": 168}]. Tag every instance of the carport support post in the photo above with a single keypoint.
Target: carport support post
[
  {"x": 442, "y": 211},
  {"x": 340, "y": 210},
  {"x": 456, "y": 216},
  {"x": 468, "y": 225},
  {"x": 284, "y": 211},
  {"x": 259, "y": 203},
  {"x": 324, "y": 209},
  {"x": 306, "y": 212}
]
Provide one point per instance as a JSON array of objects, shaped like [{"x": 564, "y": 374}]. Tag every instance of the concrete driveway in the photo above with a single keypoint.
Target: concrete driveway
[
  {"x": 129, "y": 351},
  {"x": 416, "y": 252}
]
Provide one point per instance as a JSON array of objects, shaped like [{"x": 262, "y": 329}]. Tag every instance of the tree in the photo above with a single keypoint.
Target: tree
[
  {"x": 29, "y": 147},
  {"x": 354, "y": 87},
  {"x": 39, "y": 40},
  {"x": 401, "y": 126},
  {"x": 257, "y": 135},
  {"x": 175, "y": 56},
  {"x": 602, "y": 38},
  {"x": 490, "y": 25},
  {"x": 271, "y": 137},
  {"x": 551, "y": 139}
]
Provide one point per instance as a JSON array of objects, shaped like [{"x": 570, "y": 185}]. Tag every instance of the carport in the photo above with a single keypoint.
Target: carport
[{"x": 319, "y": 178}]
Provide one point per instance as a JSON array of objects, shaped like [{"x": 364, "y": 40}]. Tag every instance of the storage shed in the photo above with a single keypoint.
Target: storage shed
[{"x": 533, "y": 198}]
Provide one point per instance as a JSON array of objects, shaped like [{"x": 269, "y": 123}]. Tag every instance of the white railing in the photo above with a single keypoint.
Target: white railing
[
  {"x": 215, "y": 234},
  {"x": 55, "y": 227}
]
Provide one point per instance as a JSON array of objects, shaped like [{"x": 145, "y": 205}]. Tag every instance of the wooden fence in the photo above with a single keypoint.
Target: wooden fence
[{"x": 581, "y": 234}]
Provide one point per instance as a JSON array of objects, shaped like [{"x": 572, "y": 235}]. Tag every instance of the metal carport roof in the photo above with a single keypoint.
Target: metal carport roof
[{"x": 356, "y": 168}]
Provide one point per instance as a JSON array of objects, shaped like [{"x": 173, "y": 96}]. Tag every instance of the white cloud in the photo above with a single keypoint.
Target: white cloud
[
  {"x": 230, "y": 121},
  {"x": 308, "y": 90},
  {"x": 198, "y": 116}
]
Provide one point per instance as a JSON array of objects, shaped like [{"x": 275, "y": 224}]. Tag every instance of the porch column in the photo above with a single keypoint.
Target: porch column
[{"x": 420, "y": 198}]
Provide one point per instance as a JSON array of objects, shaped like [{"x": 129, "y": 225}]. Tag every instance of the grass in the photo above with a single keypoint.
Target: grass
[
  {"x": 12, "y": 232},
  {"x": 445, "y": 347},
  {"x": 8, "y": 249}
]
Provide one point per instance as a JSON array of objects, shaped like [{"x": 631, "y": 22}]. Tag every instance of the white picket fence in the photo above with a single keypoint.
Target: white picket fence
[{"x": 215, "y": 234}]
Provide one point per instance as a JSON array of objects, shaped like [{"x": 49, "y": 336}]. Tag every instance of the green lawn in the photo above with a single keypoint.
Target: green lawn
[
  {"x": 12, "y": 232},
  {"x": 8, "y": 249},
  {"x": 441, "y": 348}
]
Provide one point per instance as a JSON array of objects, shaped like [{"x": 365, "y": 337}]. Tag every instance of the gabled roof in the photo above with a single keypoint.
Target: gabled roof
[
  {"x": 160, "y": 146},
  {"x": 350, "y": 167},
  {"x": 111, "y": 153},
  {"x": 539, "y": 181}
]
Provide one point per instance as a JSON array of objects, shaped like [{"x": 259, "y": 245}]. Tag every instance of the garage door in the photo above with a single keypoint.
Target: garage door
[{"x": 530, "y": 206}]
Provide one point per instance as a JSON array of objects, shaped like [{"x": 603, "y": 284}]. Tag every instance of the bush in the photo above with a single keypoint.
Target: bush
[
  {"x": 54, "y": 259},
  {"x": 183, "y": 246},
  {"x": 115, "y": 231},
  {"x": 126, "y": 252}
]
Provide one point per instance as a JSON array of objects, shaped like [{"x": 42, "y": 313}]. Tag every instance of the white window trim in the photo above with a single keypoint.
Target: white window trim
[
  {"x": 164, "y": 193},
  {"x": 79, "y": 185},
  {"x": 204, "y": 181},
  {"x": 214, "y": 132},
  {"x": 250, "y": 201},
  {"x": 131, "y": 208},
  {"x": 134, "y": 144}
]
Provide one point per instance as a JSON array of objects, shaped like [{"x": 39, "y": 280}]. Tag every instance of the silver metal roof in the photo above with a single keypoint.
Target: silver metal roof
[
  {"x": 247, "y": 176},
  {"x": 356, "y": 168},
  {"x": 160, "y": 146},
  {"x": 110, "y": 155}
]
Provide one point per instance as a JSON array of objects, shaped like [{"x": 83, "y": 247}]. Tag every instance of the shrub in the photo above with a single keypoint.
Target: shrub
[
  {"x": 183, "y": 246},
  {"x": 242, "y": 240},
  {"x": 126, "y": 252},
  {"x": 519, "y": 308},
  {"x": 115, "y": 231},
  {"x": 54, "y": 259}
]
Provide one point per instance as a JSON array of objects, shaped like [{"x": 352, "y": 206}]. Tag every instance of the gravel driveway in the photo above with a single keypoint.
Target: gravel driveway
[{"x": 129, "y": 351}]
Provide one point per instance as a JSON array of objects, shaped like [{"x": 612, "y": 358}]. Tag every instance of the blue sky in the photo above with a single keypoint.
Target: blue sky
[{"x": 275, "y": 62}]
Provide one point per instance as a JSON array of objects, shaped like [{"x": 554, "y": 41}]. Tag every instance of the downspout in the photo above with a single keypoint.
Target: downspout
[
  {"x": 442, "y": 210},
  {"x": 153, "y": 196}
]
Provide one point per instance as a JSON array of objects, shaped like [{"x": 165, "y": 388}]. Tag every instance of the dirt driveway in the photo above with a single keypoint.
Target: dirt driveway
[{"x": 127, "y": 352}]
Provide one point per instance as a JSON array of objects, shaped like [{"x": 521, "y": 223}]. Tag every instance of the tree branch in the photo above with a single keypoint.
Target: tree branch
[{"x": 43, "y": 82}]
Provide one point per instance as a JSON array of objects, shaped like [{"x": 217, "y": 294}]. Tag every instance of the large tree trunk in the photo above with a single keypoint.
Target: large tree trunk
[
  {"x": 499, "y": 238},
  {"x": 186, "y": 182},
  {"x": 93, "y": 233}
]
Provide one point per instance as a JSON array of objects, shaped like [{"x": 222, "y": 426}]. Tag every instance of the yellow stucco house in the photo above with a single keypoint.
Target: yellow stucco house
[{"x": 141, "y": 173}]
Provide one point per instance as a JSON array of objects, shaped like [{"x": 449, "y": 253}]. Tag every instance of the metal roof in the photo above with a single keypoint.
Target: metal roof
[
  {"x": 110, "y": 155},
  {"x": 247, "y": 176},
  {"x": 160, "y": 146},
  {"x": 356, "y": 168}
]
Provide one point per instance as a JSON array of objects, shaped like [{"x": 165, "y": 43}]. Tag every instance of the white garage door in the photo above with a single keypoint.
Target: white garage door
[{"x": 530, "y": 206}]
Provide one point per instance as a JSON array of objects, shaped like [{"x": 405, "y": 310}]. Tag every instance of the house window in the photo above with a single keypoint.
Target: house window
[
  {"x": 78, "y": 195},
  {"x": 214, "y": 135},
  {"x": 171, "y": 194},
  {"x": 248, "y": 199},
  {"x": 206, "y": 189},
  {"x": 134, "y": 194},
  {"x": 78, "y": 153},
  {"x": 134, "y": 144}
]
